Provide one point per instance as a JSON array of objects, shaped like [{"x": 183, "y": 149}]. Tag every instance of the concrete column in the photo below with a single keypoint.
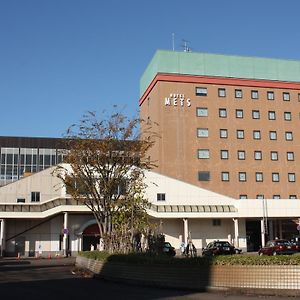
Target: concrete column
[
  {"x": 262, "y": 229},
  {"x": 2, "y": 237},
  {"x": 236, "y": 232},
  {"x": 185, "y": 230},
  {"x": 66, "y": 232}
]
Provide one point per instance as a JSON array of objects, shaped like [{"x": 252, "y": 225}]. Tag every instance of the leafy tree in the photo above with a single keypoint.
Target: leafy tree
[{"x": 108, "y": 159}]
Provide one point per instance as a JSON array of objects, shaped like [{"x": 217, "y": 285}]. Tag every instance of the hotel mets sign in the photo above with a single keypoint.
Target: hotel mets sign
[{"x": 177, "y": 100}]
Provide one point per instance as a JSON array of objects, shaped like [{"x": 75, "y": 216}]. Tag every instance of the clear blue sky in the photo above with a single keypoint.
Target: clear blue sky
[{"x": 60, "y": 58}]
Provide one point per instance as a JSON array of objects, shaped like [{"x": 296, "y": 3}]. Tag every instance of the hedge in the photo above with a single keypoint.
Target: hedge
[{"x": 237, "y": 259}]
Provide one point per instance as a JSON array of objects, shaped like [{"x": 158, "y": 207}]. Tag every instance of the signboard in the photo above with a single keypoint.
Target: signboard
[
  {"x": 65, "y": 231},
  {"x": 177, "y": 100}
]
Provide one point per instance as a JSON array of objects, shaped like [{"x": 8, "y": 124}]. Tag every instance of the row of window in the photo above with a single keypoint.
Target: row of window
[
  {"x": 241, "y": 154},
  {"x": 242, "y": 176},
  {"x": 261, "y": 196},
  {"x": 238, "y": 93},
  {"x": 240, "y": 134},
  {"x": 35, "y": 197}
]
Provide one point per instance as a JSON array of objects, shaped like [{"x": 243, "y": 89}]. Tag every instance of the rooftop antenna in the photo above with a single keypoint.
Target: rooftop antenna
[
  {"x": 185, "y": 46},
  {"x": 173, "y": 41}
]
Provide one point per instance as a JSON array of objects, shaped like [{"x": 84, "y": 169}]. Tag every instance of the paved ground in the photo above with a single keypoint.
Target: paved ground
[{"x": 53, "y": 279}]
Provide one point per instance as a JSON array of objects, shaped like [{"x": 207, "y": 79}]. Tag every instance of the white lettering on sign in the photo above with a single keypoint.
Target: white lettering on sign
[{"x": 177, "y": 100}]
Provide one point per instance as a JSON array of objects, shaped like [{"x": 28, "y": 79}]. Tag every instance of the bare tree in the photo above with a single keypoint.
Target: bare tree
[{"x": 108, "y": 158}]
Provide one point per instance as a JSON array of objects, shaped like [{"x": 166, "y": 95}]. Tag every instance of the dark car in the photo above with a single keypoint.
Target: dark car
[
  {"x": 276, "y": 247},
  {"x": 297, "y": 245},
  {"x": 218, "y": 248},
  {"x": 168, "y": 249}
]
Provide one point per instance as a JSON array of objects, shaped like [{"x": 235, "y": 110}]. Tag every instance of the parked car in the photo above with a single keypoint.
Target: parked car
[
  {"x": 279, "y": 246},
  {"x": 296, "y": 244},
  {"x": 218, "y": 248},
  {"x": 168, "y": 249}
]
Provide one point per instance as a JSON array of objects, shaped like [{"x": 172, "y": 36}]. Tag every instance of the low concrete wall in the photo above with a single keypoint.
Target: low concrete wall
[{"x": 198, "y": 277}]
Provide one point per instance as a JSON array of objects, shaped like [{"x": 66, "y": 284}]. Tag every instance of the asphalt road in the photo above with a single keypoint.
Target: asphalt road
[{"x": 55, "y": 279}]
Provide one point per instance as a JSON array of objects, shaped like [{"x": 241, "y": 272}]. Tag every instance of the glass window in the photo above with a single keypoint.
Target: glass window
[
  {"x": 292, "y": 196},
  {"x": 239, "y": 113},
  {"x": 225, "y": 176},
  {"x": 35, "y": 197},
  {"x": 290, "y": 155},
  {"x": 238, "y": 94},
  {"x": 286, "y": 96},
  {"x": 270, "y": 95},
  {"x": 275, "y": 177},
  {"x": 216, "y": 222},
  {"x": 240, "y": 134},
  {"x": 224, "y": 154},
  {"x": 223, "y": 133},
  {"x": 254, "y": 94},
  {"x": 260, "y": 196},
  {"x": 276, "y": 197},
  {"x": 274, "y": 155},
  {"x": 298, "y": 96},
  {"x": 259, "y": 176},
  {"x": 202, "y": 112},
  {"x": 256, "y": 134},
  {"x": 20, "y": 200},
  {"x": 241, "y": 154},
  {"x": 203, "y": 153},
  {"x": 161, "y": 197},
  {"x": 273, "y": 135},
  {"x": 222, "y": 113},
  {"x": 203, "y": 175},
  {"x": 291, "y": 177},
  {"x": 257, "y": 155},
  {"x": 288, "y": 136},
  {"x": 272, "y": 115},
  {"x": 255, "y": 114},
  {"x": 222, "y": 92},
  {"x": 288, "y": 116},
  {"x": 243, "y": 197},
  {"x": 242, "y": 176},
  {"x": 202, "y": 132},
  {"x": 201, "y": 91}
]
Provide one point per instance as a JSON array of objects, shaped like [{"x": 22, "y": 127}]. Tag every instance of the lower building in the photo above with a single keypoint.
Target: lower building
[{"x": 38, "y": 217}]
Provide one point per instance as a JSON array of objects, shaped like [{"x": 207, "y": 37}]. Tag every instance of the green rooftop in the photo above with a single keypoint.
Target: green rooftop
[{"x": 193, "y": 63}]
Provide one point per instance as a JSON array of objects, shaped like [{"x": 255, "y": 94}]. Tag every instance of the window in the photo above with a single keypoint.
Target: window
[
  {"x": 225, "y": 176},
  {"x": 224, "y": 154},
  {"x": 256, "y": 134},
  {"x": 203, "y": 175},
  {"x": 286, "y": 96},
  {"x": 254, "y": 94},
  {"x": 272, "y": 115},
  {"x": 241, "y": 154},
  {"x": 273, "y": 135},
  {"x": 275, "y": 177},
  {"x": 201, "y": 112},
  {"x": 223, "y": 133},
  {"x": 276, "y": 197},
  {"x": 257, "y": 155},
  {"x": 243, "y": 197},
  {"x": 290, "y": 155},
  {"x": 288, "y": 136},
  {"x": 240, "y": 134},
  {"x": 238, "y": 94},
  {"x": 202, "y": 132},
  {"x": 35, "y": 197},
  {"x": 222, "y": 92},
  {"x": 260, "y": 196},
  {"x": 239, "y": 113},
  {"x": 292, "y": 196},
  {"x": 201, "y": 91},
  {"x": 274, "y": 155},
  {"x": 20, "y": 200},
  {"x": 161, "y": 197},
  {"x": 222, "y": 113},
  {"x": 291, "y": 177},
  {"x": 255, "y": 114},
  {"x": 287, "y": 116},
  {"x": 299, "y": 97},
  {"x": 270, "y": 95},
  {"x": 203, "y": 153},
  {"x": 259, "y": 176},
  {"x": 216, "y": 222},
  {"x": 242, "y": 176}
]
